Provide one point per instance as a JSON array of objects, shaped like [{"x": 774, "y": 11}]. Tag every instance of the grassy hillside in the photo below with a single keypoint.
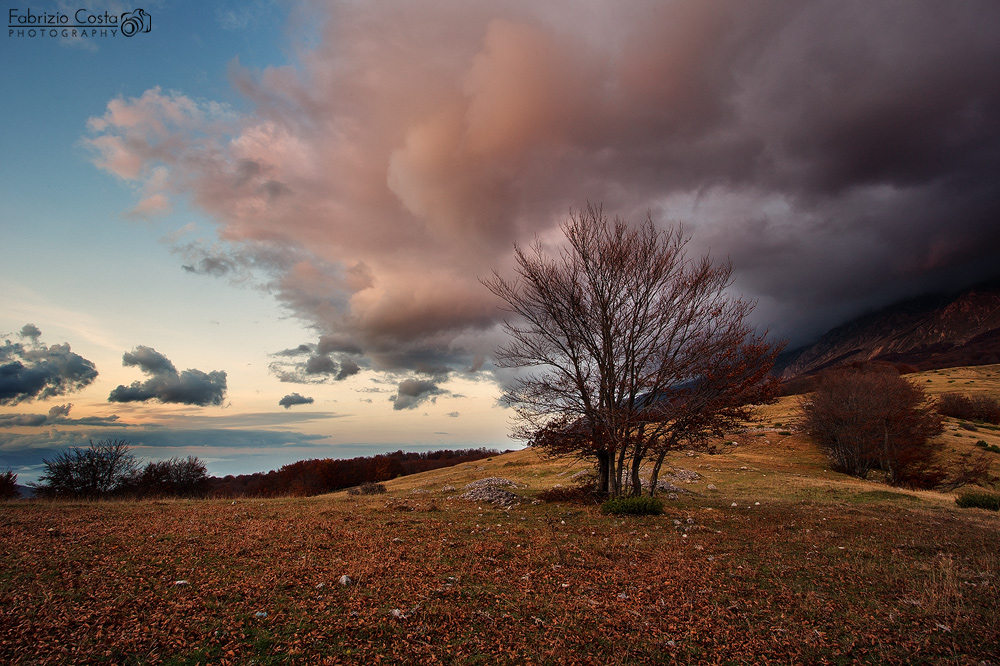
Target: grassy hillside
[
  {"x": 784, "y": 561},
  {"x": 769, "y": 461}
]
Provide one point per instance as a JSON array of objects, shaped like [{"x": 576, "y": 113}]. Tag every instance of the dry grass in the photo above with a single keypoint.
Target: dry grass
[{"x": 809, "y": 566}]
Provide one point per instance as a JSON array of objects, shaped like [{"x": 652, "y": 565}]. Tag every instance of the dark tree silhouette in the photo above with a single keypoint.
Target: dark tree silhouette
[
  {"x": 176, "y": 477},
  {"x": 103, "y": 469},
  {"x": 8, "y": 485}
]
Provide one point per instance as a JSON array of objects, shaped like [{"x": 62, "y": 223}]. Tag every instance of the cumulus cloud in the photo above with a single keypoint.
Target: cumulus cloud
[
  {"x": 839, "y": 161},
  {"x": 34, "y": 370},
  {"x": 294, "y": 399},
  {"x": 412, "y": 393},
  {"x": 30, "y": 331},
  {"x": 315, "y": 363},
  {"x": 166, "y": 384}
]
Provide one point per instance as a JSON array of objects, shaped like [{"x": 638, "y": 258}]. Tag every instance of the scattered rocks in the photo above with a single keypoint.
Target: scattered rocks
[
  {"x": 448, "y": 488},
  {"x": 685, "y": 475},
  {"x": 493, "y": 495},
  {"x": 491, "y": 481}
]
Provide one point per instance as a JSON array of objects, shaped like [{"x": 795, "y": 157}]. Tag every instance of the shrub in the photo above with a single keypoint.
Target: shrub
[
  {"x": 367, "y": 488},
  {"x": 868, "y": 417},
  {"x": 974, "y": 408},
  {"x": 8, "y": 485},
  {"x": 979, "y": 500},
  {"x": 638, "y": 505}
]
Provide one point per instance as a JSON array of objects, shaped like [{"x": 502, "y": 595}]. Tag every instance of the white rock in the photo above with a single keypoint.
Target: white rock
[{"x": 345, "y": 580}]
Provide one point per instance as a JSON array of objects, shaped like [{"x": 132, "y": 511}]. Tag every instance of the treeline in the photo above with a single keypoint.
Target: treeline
[
  {"x": 315, "y": 477},
  {"x": 109, "y": 469}
]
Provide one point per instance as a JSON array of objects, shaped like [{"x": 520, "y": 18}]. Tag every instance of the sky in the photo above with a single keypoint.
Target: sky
[{"x": 254, "y": 232}]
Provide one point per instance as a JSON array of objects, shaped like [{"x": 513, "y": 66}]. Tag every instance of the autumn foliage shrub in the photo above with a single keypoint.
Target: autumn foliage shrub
[
  {"x": 979, "y": 500},
  {"x": 638, "y": 505},
  {"x": 971, "y": 408},
  {"x": 869, "y": 417}
]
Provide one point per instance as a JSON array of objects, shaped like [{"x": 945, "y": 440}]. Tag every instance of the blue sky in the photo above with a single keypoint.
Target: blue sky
[{"x": 303, "y": 195}]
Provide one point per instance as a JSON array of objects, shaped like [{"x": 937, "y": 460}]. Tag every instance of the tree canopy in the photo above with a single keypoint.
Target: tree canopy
[{"x": 628, "y": 349}]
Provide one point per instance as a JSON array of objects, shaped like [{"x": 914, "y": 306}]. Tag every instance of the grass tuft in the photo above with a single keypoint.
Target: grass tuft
[
  {"x": 640, "y": 505},
  {"x": 979, "y": 500}
]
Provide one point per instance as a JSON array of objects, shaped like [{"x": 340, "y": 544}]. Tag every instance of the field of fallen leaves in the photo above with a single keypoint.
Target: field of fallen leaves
[
  {"x": 433, "y": 580},
  {"x": 767, "y": 557}
]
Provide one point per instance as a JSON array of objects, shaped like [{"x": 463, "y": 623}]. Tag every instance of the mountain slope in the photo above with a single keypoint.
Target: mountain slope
[{"x": 928, "y": 332}]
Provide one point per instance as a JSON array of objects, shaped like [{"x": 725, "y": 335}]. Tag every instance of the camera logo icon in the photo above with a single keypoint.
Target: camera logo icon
[{"x": 134, "y": 22}]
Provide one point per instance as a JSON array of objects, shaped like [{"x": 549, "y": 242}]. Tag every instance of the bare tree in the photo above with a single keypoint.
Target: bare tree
[
  {"x": 100, "y": 470},
  {"x": 630, "y": 349},
  {"x": 176, "y": 477},
  {"x": 869, "y": 417}
]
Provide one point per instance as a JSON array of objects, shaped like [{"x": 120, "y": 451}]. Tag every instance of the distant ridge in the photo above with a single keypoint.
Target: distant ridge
[{"x": 928, "y": 332}]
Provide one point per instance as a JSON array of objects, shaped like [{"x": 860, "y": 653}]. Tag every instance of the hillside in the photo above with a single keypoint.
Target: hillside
[
  {"x": 750, "y": 466},
  {"x": 938, "y": 331}
]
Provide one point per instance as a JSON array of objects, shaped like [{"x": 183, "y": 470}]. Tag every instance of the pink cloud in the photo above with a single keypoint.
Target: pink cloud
[{"x": 416, "y": 142}]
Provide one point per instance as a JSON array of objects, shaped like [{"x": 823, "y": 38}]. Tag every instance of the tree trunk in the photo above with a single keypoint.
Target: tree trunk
[
  {"x": 656, "y": 473},
  {"x": 619, "y": 469},
  {"x": 637, "y": 454},
  {"x": 604, "y": 471}
]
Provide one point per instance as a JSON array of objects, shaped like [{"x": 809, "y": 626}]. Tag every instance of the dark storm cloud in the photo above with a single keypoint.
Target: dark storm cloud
[
  {"x": 295, "y": 399},
  {"x": 37, "y": 371},
  {"x": 190, "y": 387},
  {"x": 414, "y": 392},
  {"x": 842, "y": 153}
]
